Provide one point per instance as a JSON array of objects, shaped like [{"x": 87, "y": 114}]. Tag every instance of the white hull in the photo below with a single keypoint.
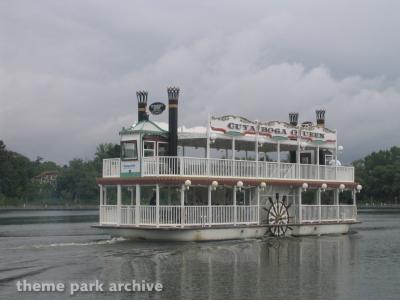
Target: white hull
[{"x": 223, "y": 233}]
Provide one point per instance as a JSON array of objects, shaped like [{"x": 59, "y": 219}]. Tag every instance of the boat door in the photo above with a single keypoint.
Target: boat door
[{"x": 307, "y": 157}]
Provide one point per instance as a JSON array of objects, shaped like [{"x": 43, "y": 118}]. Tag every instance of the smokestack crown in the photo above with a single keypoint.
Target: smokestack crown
[
  {"x": 142, "y": 105},
  {"x": 173, "y": 94},
  {"x": 294, "y": 118},
  {"x": 320, "y": 114}
]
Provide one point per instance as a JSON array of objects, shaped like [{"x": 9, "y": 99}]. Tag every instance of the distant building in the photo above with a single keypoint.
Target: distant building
[{"x": 47, "y": 177}]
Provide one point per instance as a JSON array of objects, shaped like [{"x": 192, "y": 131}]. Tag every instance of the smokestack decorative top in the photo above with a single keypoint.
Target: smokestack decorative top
[
  {"x": 142, "y": 105},
  {"x": 142, "y": 96},
  {"x": 294, "y": 118},
  {"x": 173, "y": 94},
  {"x": 320, "y": 113}
]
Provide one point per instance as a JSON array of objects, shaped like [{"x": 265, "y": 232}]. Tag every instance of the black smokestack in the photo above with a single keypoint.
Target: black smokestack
[
  {"x": 320, "y": 113},
  {"x": 142, "y": 105},
  {"x": 294, "y": 120},
  {"x": 173, "y": 95}
]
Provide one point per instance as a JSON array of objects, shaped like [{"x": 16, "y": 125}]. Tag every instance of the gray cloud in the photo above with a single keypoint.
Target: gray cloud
[{"x": 69, "y": 70}]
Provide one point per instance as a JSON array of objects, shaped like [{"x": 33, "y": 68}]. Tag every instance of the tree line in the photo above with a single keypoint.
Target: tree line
[
  {"x": 378, "y": 172},
  {"x": 75, "y": 184}
]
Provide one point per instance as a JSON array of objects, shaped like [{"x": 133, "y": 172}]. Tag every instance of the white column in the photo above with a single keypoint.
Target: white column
[
  {"x": 119, "y": 196},
  {"x": 234, "y": 206},
  {"x": 279, "y": 158},
  {"x": 101, "y": 203},
  {"x": 257, "y": 152},
  {"x": 319, "y": 203},
  {"x": 182, "y": 205},
  {"x": 131, "y": 190},
  {"x": 208, "y": 147},
  {"x": 105, "y": 200},
  {"x": 354, "y": 204},
  {"x": 157, "y": 205},
  {"x": 336, "y": 195},
  {"x": 258, "y": 204},
  {"x": 233, "y": 157},
  {"x": 101, "y": 194},
  {"x": 317, "y": 161},
  {"x": 137, "y": 208},
  {"x": 233, "y": 148},
  {"x": 298, "y": 152},
  {"x": 209, "y": 219},
  {"x": 336, "y": 157},
  {"x": 300, "y": 204}
]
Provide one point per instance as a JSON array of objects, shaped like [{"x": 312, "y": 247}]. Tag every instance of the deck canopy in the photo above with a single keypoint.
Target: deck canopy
[{"x": 221, "y": 131}]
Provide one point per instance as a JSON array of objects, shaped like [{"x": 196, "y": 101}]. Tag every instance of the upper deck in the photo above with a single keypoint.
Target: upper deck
[{"x": 227, "y": 168}]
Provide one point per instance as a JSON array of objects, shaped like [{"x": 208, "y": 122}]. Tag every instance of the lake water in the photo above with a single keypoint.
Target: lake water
[{"x": 61, "y": 246}]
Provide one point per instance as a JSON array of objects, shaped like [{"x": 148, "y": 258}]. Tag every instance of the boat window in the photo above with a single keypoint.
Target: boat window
[
  {"x": 162, "y": 149},
  {"x": 129, "y": 150},
  {"x": 148, "y": 148}
]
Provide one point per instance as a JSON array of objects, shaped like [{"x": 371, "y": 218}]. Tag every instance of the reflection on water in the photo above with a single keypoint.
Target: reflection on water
[{"x": 361, "y": 265}]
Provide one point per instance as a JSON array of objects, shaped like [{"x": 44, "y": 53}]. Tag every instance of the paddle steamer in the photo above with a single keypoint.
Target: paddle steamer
[{"x": 233, "y": 178}]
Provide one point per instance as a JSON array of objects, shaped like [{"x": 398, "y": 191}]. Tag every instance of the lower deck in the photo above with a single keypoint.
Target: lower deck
[{"x": 201, "y": 206}]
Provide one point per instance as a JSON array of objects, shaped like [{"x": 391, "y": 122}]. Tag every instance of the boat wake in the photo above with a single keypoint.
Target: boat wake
[{"x": 75, "y": 244}]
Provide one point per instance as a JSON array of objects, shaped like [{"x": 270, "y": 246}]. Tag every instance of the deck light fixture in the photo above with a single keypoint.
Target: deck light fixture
[
  {"x": 239, "y": 184},
  {"x": 263, "y": 185},
  {"x": 305, "y": 186},
  {"x": 214, "y": 185},
  {"x": 324, "y": 187},
  {"x": 359, "y": 188},
  {"x": 188, "y": 183},
  {"x": 341, "y": 187}
]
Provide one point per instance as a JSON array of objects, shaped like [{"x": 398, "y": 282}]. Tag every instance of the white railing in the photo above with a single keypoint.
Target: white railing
[
  {"x": 148, "y": 215},
  {"x": 127, "y": 215},
  {"x": 223, "y": 214},
  {"x": 246, "y": 214},
  {"x": 220, "y": 214},
  {"x": 191, "y": 166},
  {"x": 317, "y": 213},
  {"x": 196, "y": 215},
  {"x": 347, "y": 212},
  {"x": 108, "y": 214},
  {"x": 172, "y": 215},
  {"x": 111, "y": 167}
]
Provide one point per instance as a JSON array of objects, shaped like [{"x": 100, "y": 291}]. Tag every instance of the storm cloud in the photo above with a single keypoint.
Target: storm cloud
[{"x": 69, "y": 70}]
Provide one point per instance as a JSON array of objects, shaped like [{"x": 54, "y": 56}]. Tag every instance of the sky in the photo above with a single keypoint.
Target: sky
[{"x": 69, "y": 70}]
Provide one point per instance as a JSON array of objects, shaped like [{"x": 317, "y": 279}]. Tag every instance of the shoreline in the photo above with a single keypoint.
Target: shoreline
[{"x": 49, "y": 208}]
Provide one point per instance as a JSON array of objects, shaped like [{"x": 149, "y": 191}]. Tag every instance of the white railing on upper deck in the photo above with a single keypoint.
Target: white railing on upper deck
[
  {"x": 334, "y": 213},
  {"x": 191, "y": 167},
  {"x": 111, "y": 167}
]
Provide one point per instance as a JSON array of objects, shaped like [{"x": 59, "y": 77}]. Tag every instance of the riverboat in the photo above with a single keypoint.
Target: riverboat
[{"x": 233, "y": 178}]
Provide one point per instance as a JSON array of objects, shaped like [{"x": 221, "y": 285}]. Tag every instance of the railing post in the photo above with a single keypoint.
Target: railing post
[
  {"x": 157, "y": 205},
  {"x": 183, "y": 205},
  {"x": 209, "y": 205},
  {"x": 234, "y": 206},
  {"x": 119, "y": 196},
  {"x": 101, "y": 203},
  {"x": 258, "y": 205},
  {"x": 337, "y": 205},
  {"x": 158, "y": 165},
  {"x": 137, "y": 206},
  {"x": 300, "y": 206},
  {"x": 354, "y": 210},
  {"x": 181, "y": 169},
  {"x": 319, "y": 203}
]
